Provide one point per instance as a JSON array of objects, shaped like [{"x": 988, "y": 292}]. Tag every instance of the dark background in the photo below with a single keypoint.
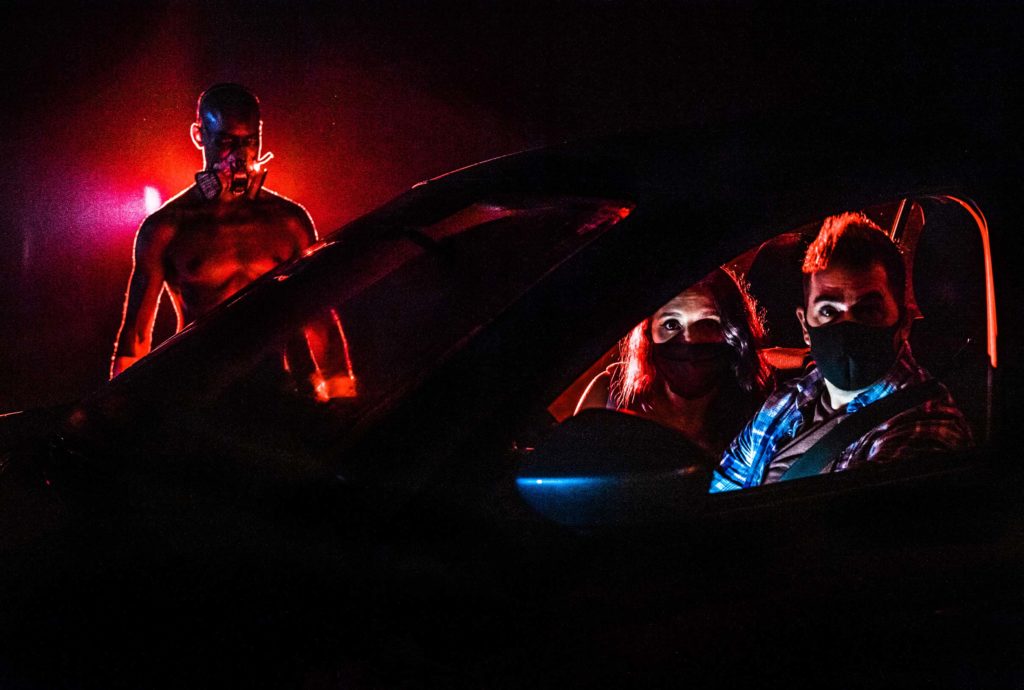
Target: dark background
[{"x": 363, "y": 99}]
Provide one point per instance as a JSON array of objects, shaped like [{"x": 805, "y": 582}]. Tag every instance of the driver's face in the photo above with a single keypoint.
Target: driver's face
[{"x": 841, "y": 294}]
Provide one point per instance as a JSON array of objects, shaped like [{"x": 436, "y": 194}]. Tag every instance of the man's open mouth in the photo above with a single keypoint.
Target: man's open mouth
[{"x": 239, "y": 182}]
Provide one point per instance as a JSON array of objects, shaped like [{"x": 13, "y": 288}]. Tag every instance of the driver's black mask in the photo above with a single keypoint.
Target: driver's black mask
[
  {"x": 691, "y": 370},
  {"x": 852, "y": 355}
]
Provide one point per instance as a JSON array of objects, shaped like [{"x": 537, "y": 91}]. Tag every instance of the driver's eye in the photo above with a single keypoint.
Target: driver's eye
[
  {"x": 671, "y": 324},
  {"x": 869, "y": 313},
  {"x": 827, "y": 311}
]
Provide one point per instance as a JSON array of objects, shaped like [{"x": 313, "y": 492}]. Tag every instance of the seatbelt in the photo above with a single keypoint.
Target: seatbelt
[{"x": 829, "y": 446}]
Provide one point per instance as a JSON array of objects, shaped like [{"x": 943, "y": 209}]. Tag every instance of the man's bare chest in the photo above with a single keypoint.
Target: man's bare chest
[{"x": 213, "y": 250}]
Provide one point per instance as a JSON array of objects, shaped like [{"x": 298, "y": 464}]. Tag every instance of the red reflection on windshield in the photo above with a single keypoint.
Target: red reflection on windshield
[{"x": 333, "y": 375}]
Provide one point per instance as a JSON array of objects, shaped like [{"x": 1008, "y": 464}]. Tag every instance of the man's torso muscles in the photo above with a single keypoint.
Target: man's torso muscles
[{"x": 215, "y": 253}]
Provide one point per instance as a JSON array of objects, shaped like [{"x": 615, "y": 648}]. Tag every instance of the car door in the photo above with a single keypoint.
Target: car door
[{"x": 900, "y": 563}]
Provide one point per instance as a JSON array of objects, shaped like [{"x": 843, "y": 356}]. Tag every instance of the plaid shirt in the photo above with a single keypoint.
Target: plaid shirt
[{"x": 935, "y": 425}]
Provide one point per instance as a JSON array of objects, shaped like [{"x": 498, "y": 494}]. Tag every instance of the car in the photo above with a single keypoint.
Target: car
[{"x": 440, "y": 517}]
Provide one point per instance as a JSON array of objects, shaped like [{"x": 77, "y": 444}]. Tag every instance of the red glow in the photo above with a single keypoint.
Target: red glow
[
  {"x": 345, "y": 141},
  {"x": 152, "y": 198},
  {"x": 330, "y": 379}
]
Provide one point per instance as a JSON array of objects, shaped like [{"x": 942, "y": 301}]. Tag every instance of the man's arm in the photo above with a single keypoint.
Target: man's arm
[
  {"x": 737, "y": 462},
  {"x": 320, "y": 356},
  {"x": 134, "y": 338},
  {"x": 300, "y": 225}
]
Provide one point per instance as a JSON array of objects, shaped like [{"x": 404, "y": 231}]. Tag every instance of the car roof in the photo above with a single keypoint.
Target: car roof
[{"x": 764, "y": 154}]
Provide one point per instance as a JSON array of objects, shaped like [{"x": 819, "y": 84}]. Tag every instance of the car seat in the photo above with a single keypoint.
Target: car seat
[{"x": 776, "y": 282}]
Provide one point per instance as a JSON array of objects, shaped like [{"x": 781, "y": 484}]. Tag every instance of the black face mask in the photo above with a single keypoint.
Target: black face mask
[
  {"x": 691, "y": 369},
  {"x": 851, "y": 355}
]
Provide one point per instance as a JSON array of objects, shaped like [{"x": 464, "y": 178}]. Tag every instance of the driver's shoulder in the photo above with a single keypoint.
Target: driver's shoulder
[
  {"x": 935, "y": 421},
  {"x": 939, "y": 403},
  {"x": 790, "y": 392}
]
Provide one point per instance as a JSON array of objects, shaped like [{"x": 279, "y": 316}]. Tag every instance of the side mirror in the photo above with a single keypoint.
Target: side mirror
[{"x": 605, "y": 468}]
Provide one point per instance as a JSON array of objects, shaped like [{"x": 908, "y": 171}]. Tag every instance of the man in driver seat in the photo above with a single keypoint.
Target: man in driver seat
[{"x": 855, "y": 320}]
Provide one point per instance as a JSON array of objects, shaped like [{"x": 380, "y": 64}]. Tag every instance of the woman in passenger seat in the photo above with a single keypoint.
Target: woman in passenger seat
[{"x": 694, "y": 365}]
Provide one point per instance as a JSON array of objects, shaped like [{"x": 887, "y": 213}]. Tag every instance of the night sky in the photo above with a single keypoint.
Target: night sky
[{"x": 363, "y": 99}]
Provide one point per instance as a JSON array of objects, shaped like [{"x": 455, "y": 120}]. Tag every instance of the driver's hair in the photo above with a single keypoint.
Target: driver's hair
[
  {"x": 854, "y": 241},
  {"x": 228, "y": 99}
]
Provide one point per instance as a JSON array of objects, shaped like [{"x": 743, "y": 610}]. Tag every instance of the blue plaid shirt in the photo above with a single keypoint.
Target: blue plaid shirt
[{"x": 935, "y": 425}]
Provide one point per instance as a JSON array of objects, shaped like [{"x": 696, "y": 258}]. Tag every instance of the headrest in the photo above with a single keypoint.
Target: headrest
[{"x": 777, "y": 284}]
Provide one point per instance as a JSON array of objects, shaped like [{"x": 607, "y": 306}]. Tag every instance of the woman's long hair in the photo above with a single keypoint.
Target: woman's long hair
[{"x": 743, "y": 327}]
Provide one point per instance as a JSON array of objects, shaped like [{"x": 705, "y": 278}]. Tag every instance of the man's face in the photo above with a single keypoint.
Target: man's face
[
  {"x": 840, "y": 294},
  {"x": 851, "y": 325},
  {"x": 231, "y": 147}
]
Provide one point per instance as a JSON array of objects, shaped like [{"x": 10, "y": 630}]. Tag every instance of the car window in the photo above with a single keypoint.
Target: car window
[
  {"x": 391, "y": 312},
  {"x": 943, "y": 240}
]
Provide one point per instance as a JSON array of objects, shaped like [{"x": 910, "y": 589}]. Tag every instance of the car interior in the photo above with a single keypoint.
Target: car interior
[{"x": 950, "y": 297}]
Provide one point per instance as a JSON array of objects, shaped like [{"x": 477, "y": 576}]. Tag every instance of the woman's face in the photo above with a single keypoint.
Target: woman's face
[{"x": 691, "y": 316}]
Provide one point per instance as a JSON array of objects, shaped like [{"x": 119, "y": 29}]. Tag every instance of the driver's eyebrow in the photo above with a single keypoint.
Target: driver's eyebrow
[
  {"x": 829, "y": 297},
  {"x": 873, "y": 296},
  {"x": 838, "y": 298}
]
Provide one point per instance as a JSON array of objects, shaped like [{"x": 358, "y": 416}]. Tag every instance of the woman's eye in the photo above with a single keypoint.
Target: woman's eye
[
  {"x": 708, "y": 325},
  {"x": 671, "y": 324}
]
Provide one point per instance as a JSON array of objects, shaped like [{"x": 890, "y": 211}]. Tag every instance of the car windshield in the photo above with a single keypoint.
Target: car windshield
[{"x": 381, "y": 315}]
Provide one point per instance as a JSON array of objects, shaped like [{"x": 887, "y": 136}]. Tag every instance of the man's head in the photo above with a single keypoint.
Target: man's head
[
  {"x": 228, "y": 130},
  {"x": 854, "y": 312}
]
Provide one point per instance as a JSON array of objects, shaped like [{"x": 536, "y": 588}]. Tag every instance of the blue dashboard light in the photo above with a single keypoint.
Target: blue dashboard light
[
  {"x": 563, "y": 482},
  {"x": 613, "y": 499},
  {"x": 571, "y": 500}
]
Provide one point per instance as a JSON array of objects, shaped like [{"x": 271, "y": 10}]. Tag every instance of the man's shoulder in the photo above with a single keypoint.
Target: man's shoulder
[
  {"x": 937, "y": 404},
  {"x": 291, "y": 214},
  {"x": 161, "y": 224},
  {"x": 788, "y": 391},
  {"x": 279, "y": 203},
  {"x": 779, "y": 407},
  {"x": 185, "y": 200},
  {"x": 935, "y": 421}
]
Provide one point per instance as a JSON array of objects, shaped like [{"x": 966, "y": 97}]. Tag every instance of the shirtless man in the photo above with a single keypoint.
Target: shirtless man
[{"x": 218, "y": 235}]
